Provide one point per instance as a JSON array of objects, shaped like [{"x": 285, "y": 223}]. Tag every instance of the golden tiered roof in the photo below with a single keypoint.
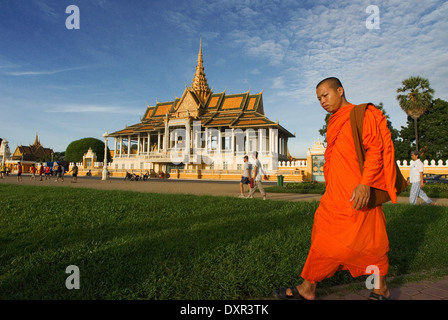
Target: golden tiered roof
[
  {"x": 33, "y": 152},
  {"x": 199, "y": 103}
]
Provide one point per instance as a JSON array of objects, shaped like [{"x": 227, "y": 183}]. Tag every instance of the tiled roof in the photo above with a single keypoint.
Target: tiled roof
[{"x": 234, "y": 111}]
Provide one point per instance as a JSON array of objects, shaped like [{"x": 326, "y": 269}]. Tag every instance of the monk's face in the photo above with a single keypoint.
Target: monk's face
[{"x": 330, "y": 99}]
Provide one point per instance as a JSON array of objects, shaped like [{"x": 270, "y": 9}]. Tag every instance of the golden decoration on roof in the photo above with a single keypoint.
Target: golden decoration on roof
[{"x": 199, "y": 84}]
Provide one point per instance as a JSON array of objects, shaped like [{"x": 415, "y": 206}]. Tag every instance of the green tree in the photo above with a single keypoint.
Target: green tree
[
  {"x": 76, "y": 149},
  {"x": 415, "y": 99},
  {"x": 433, "y": 134},
  {"x": 59, "y": 156}
]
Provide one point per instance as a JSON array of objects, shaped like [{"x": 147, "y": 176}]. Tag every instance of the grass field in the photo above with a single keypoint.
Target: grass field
[
  {"x": 435, "y": 190},
  {"x": 130, "y": 245}
]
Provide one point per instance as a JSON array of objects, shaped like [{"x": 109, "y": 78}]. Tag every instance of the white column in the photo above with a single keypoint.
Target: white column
[
  {"x": 219, "y": 140},
  {"x": 165, "y": 137},
  {"x": 206, "y": 140},
  {"x": 129, "y": 146},
  {"x": 232, "y": 144},
  {"x": 275, "y": 136},
  {"x": 188, "y": 137},
  {"x": 138, "y": 144},
  {"x": 115, "y": 146},
  {"x": 104, "y": 175},
  {"x": 247, "y": 141}
]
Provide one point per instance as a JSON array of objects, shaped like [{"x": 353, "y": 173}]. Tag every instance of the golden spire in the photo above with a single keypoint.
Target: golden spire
[
  {"x": 199, "y": 84},
  {"x": 36, "y": 141}
]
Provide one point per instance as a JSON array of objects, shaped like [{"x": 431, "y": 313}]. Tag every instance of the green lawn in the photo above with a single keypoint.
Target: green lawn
[
  {"x": 131, "y": 245},
  {"x": 435, "y": 190}
]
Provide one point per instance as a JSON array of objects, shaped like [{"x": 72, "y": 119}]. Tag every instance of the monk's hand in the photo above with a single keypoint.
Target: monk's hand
[{"x": 360, "y": 196}]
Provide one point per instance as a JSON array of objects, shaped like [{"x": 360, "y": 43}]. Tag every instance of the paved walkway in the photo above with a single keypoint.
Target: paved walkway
[{"x": 422, "y": 290}]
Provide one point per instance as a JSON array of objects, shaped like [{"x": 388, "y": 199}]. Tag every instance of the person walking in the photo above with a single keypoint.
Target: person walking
[
  {"x": 74, "y": 173},
  {"x": 59, "y": 173},
  {"x": 245, "y": 178},
  {"x": 416, "y": 180},
  {"x": 257, "y": 176},
  {"x": 348, "y": 234},
  {"x": 19, "y": 172},
  {"x": 3, "y": 171},
  {"x": 41, "y": 172},
  {"x": 47, "y": 172},
  {"x": 33, "y": 172}
]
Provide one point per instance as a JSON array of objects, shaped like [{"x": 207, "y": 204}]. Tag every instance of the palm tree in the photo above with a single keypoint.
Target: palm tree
[{"x": 415, "y": 100}]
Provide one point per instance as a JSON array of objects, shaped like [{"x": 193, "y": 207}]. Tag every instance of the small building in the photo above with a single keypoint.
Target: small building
[
  {"x": 89, "y": 159},
  {"x": 30, "y": 155}
]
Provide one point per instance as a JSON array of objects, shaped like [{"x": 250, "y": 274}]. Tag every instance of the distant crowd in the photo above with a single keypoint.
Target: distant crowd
[{"x": 43, "y": 171}]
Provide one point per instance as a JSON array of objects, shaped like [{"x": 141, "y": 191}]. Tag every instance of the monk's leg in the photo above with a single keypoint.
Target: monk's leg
[
  {"x": 383, "y": 290},
  {"x": 307, "y": 290}
]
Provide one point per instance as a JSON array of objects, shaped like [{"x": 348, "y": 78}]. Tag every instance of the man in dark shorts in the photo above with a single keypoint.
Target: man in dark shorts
[
  {"x": 245, "y": 178},
  {"x": 19, "y": 172},
  {"x": 75, "y": 173}
]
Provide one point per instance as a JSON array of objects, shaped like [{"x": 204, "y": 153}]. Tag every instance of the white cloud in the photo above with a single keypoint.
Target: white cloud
[
  {"x": 38, "y": 73},
  {"x": 278, "y": 83},
  {"x": 94, "y": 109}
]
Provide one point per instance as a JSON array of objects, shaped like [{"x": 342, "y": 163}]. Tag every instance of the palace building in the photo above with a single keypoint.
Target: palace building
[
  {"x": 201, "y": 131},
  {"x": 33, "y": 153}
]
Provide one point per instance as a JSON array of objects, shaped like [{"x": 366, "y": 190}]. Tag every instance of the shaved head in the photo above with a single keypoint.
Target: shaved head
[
  {"x": 331, "y": 95},
  {"x": 333, "y": 82}
]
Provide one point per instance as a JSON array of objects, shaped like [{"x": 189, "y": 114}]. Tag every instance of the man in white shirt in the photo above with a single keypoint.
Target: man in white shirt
[
  {"x": 416, "y": 180},
  {"x": 258, "y": 173}
]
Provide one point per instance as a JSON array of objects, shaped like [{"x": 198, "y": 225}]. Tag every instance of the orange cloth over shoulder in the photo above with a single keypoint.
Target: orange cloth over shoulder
[{"x": 344, "y": 238}]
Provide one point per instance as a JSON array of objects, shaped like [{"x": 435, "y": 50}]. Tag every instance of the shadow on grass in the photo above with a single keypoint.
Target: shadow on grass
[
  {"x": 148, "y": 246},
  {"x": 188, "y": 248}
]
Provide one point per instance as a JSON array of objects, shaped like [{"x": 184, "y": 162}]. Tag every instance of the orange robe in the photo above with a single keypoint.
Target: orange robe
[{"x": 344, "y": 238}]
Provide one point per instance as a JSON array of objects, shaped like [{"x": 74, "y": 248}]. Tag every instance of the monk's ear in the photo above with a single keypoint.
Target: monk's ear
[{"x": 340, "y": 91}]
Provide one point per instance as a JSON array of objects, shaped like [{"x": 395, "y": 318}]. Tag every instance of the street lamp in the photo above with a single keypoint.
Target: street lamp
[{"x": 105, "y": 135}]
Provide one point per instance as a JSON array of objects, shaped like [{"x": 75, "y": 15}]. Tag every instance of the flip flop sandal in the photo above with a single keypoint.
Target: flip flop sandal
[
  {"x": 376, "y": 296},
  {"x": 281, "y": 294}
]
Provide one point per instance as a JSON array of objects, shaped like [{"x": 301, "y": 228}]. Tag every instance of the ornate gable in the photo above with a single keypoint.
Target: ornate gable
[{"x": 188, "y": 106}]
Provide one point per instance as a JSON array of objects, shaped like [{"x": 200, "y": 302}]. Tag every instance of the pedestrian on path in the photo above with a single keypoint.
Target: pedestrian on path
[
  {"x": 41, "y": 171},
  {"x": 245, "y": 178},
  {"x": 257, "y": 176},
  {"x": 19, "y": 172},
  {"x": 416, "y": 180},
  {"x": 74, "y": 173},
  {"x": 33, "y": 172},
  {"x": 47, "y": 172},
  {"x": 3, "y": 171},
  {"x": 59, "y": 173}
]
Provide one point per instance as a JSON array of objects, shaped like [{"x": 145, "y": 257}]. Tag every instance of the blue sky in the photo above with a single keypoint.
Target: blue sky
[{"x": 69, "y": 84}]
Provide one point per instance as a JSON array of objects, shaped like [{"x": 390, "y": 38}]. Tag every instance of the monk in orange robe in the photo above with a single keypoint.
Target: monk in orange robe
[{"x": 347, "y": 235}]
